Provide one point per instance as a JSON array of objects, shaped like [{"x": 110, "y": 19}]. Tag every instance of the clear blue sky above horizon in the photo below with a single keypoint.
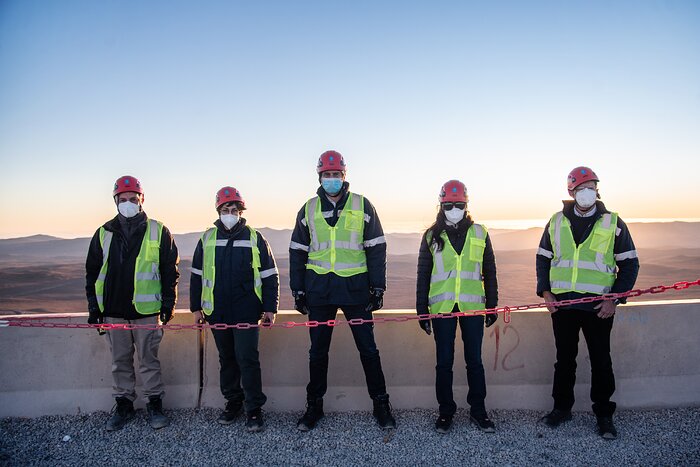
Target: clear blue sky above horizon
[{"x": 505, "y": 96}]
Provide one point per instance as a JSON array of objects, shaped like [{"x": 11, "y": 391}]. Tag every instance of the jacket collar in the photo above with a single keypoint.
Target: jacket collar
[{"x": 234, "y": 231}]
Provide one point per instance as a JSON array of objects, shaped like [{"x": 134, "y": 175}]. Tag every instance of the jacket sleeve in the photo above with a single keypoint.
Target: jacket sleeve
[
  {"x": 93, "y": 264},
  {"x": 299, "y": 253},
  {"x": 489, "y": 273},
  {"x": 269, "y": 276},
  {"x": 543, "y": 262},
  {"x": 626, "y": 260},
  {"x": 375, "y": 248},
  {"x": 169, "y": 274},
  {"x": 425, "y": 267},
  {"x": 196, "y": 278}
]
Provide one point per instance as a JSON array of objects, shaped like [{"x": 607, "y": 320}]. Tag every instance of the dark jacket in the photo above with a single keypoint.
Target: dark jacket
[
  {"x": 457, "y": 236},
  {"x": 235, "y": 300},
  {"x": 119, "y": 283},
  {"x": 331, "y": 289},
  {"x": 581, "y": 227}
]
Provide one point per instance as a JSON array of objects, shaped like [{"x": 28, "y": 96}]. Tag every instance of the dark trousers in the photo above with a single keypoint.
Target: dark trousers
[
  {"x": 445, "y": 331},
  {"x": 239, "y": 373},
  {"x": 321, "y": 342},
  {"x": 567, "y": 324}
]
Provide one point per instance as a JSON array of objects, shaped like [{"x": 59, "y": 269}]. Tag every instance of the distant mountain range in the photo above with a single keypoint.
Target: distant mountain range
[{"x": 659, "y": 235}]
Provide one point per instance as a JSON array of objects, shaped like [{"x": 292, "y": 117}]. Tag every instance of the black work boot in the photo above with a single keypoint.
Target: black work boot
[
  {"x": 443, "y": 423},
  {"x": 122, "y": 412},
  {"x": 254, "y": 422},
  {"x": 156, "y": 417},
  {"x": 231, "y": 412},
  {"x": 314, "y": 413},
  {"x": 606, "y": 428},
  {"x": 556, "y": 417},
  {"x": 382, "y": 412},
  {"x": 483, "y": 422}
]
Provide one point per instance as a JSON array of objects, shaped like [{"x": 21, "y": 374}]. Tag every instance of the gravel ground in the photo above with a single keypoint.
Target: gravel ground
[{"x": 655, "y": 437}]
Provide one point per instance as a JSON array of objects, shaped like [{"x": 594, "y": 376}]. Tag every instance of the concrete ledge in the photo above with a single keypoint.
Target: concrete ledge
[{"x": 655, "y": 348}]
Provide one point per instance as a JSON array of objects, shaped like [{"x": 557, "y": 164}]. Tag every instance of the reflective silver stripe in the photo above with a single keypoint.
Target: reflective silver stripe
[
  {"x": 207, "y": 235},
  {"x": 626, "y": 255},
  {"x": 589, "y": 265},
  {"x": 607, "y": 218},
  {"x": 355, "y": 203},
  {"x": 557, "y": 234},
  {"x": 545, "y": 253},
  {"x": 242, "y": 244},
  {"x": 154, "y": 229},
  {"x": 340, "y": 266},
  {"x": 147, "y": 276},
  {"x": 303, "y": 221},
  {"x": 452, "y": 274},
  {"x": 144, "y": 298},
  {"x": 617, "y": 231},
  {"x": 439, "y": 262},
  {"x": 478, "y": 231},
  {"x": 207, "y": 282},
  {"x": 196, "y": 271},
  {"x": 327, "y": 214},
  {"x": 258, "y": 282},
  {"x": 107, "y": 241},
  {"x": 101, "y": 276},
  {"x": 472, "y": 298},
  {"x": 100, "y": 299},
  {"x": 322, "y": 264},
  {"x": 221, "y": 242},
  {"x": 367, "y": 218},
  {"x": 375, "y": 241},
  {"x": 354, "y": 237},
  {"x": 592, "y": 288},
  {"x": 312, "y": 223},
  {"x": 443, "y": 297},
  {"x": 268, "y": 273},
  {"x": 207, "y": 305},
  {"x": 348, "y": 245},
  {"x": 298, "y": 246}
]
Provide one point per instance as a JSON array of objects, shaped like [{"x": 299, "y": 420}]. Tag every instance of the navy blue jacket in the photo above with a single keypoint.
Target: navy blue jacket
[
  {"x": 119, "y": 283},
  {"x": 235, "y": 300},
  {"x": 624, "y": 252},
  {"x": 457, "y": 237},
  {"x": 331, "y": 289}
]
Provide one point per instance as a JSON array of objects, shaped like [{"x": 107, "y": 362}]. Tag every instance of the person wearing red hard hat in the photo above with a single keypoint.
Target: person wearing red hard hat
[
  {"x": 457, "y": 273},
  {"x": 131, "y": 278},
  {"x": 234, "y": 280},
  {"x": 337, "y": 259},
  {"x": 585, "y": 251}
]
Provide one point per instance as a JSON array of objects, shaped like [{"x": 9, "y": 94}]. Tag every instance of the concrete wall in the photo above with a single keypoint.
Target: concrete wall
[{"x": 654, "y": 347}]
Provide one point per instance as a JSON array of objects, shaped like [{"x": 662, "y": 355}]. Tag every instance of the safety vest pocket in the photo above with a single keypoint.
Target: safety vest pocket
[
  {"x": 600, "y": 240},
  {"x": 354, "y": 220},
  {"x": 476, "y": 249}
]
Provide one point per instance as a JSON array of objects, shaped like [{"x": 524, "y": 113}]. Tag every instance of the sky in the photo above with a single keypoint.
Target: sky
[{"x": 507, "y": 96}]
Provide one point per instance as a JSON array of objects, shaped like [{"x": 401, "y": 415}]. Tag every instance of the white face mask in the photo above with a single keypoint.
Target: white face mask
[
  {"x": 454, "y": 215},
  {"x": 586, "y": 197},
  {"x": 229, "y": 220},
  {"x": 128, "y": 209}
]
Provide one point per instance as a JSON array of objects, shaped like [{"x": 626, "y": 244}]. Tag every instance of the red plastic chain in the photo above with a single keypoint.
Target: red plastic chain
[{"x": 32, "y": 321}]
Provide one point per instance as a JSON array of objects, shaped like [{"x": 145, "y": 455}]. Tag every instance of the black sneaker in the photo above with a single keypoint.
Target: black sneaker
[
  {"x": 231, "y": 412},
  {"x": 443, "y": 423},
  {"x": 606, "y": 428},
  {"x": 556, "y": 417},
  {"x": 122, "y": 412},
  {"x": 156, "y": 417},
  {"x": 255, "y": 422},
  {"x": 314, "y": 413},
  {"x": 483, "y": 422},
  {"x": 382, "y": 412}
]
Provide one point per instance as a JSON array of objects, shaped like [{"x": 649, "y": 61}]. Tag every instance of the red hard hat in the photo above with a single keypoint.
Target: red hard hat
[
  {"x": 331, "y": 160},
  {"x": 580, "y": 175},
  {"x": 453, "y": 191},
  {"x": 127, "y": 183},
  {"x": 228, "y": 194}
]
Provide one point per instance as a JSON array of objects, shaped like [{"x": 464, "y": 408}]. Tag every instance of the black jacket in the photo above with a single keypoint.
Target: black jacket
[
  {"x": 457, "y": 236},
  {"x": 119, "y": 283},
  {"x": 331, "y": 289},
  {"x": 235, "y": 300},
  {"x": 581, "y": 227}
]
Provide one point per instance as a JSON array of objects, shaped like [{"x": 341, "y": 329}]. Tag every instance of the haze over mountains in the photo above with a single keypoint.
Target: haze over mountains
[{"x": 41, "y": 273}]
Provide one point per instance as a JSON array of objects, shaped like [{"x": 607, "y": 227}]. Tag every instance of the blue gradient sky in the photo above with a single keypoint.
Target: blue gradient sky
[{"x": 191, "y": 96}]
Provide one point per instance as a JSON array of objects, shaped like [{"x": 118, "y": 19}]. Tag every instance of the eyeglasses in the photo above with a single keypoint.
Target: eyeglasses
[
  {"x": 448, "y": 206},
  {"x": 231, "y": 210}
]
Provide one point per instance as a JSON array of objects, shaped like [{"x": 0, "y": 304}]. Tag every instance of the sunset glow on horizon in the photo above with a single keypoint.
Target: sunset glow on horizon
[{"x": 506, "y": 97}]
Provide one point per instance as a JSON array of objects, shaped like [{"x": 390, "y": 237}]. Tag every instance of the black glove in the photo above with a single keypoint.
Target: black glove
[
  {"x": 376, "y": 299},
  {"x": 95, "y": 317},
  {"x": 165, "y": 316},
  {"x": 300, "y": 302},
  {"x": 426, "y": 326},
  {"x": 490, "y": 318}
]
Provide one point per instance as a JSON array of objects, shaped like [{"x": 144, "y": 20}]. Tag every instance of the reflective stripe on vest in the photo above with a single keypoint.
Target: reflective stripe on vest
[
  {"x": 589, "y": 267},
  {"x": 147, "y": 297},
  {"x": 457, "y": 279},
  {"x": 209, "y": 244},
  {"x": 339, "y": 249}
]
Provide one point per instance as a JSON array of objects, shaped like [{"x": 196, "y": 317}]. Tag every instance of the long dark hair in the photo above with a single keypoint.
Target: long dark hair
[{"x": 440, "y": 225}]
